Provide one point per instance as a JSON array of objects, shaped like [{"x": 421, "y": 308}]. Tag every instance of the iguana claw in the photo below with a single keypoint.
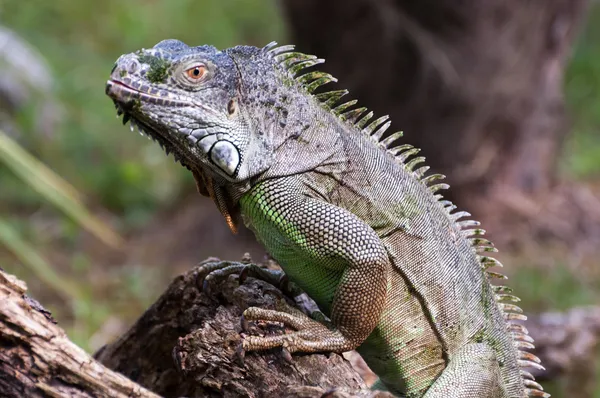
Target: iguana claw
[
  {"x": 243, "y": 275},
  {"x": 286, "y": 355},
  {"x": 210, "y": 272},
  {"x": 244, "y": 323},
  {"x": 240, "y": 355}
]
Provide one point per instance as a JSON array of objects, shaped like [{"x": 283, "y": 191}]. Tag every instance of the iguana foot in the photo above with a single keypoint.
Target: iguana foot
[
  {"x": 213, "y": 271},
  {"x": 310, "y": 335}
]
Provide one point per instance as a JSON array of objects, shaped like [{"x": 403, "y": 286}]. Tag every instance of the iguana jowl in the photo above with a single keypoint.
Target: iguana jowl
[{"x": 347, "y": 210}]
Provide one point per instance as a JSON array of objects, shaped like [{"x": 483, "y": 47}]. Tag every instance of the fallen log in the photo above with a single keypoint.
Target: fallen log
[
  {"x": 183, "y": 345},
  {"x": 38, "y": 360}
]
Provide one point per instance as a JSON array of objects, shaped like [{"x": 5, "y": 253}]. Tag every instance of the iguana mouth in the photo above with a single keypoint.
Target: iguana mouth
[
  {"x": 128, "y": 91},
  {"x": 126, "y": 98}
]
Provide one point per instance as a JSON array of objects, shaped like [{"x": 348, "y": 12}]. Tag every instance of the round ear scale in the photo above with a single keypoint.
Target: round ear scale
[{"x": 226, "y": 156}]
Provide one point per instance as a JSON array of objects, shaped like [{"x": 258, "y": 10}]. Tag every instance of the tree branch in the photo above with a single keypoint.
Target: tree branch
[{"x": 38, "y": 360}]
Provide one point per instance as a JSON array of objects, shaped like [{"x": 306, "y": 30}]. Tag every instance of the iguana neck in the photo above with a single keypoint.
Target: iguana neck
[{"x": 299, "y": 133}]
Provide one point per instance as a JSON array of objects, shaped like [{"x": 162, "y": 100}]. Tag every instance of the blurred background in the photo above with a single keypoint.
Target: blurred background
[{"x": 502, "y": 96}]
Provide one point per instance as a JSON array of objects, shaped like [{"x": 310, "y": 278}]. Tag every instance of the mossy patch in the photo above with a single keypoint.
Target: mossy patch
[{"x": 158, "y": 68}]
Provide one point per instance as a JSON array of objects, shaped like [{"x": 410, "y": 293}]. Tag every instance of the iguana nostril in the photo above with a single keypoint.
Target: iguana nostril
[{"x": 133, "y": 66}]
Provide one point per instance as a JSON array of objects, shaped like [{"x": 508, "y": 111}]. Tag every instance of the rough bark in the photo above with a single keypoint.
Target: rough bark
[
  {"x": 477, "y": 85},
  {"x": 185, "y": 345},
  {"x": 202, "y": 334},
  {"x": 38, "y": 360}
]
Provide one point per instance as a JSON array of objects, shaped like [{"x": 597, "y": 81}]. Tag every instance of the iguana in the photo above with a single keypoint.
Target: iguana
[{"x": 345, "y": 207}]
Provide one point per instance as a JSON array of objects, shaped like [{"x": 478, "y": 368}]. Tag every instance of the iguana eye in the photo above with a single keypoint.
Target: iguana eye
[{"x": 196, "y": 72}]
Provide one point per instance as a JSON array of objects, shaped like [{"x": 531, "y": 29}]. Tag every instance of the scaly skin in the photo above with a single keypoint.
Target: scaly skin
[{"x": 337, "y": 203}]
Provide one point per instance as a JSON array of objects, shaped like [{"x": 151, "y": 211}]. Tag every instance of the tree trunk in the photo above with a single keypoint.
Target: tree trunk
[
  {"x": 477, "y": 85},
  {"x": 183, "y": 345},
  {"x": 201, "y": 334}
]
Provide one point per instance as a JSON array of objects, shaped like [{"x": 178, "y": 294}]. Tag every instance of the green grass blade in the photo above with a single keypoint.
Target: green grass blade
[
  {"x": 32, "y": 260},
  {"x": 54, "y": 189}
]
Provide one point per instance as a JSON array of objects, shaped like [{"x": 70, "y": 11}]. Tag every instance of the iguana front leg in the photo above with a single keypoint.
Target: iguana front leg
[{"x": 331, "y": 254}]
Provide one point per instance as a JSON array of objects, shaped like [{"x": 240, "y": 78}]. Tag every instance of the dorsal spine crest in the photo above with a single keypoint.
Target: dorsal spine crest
[{"x": 360, "y": 118}]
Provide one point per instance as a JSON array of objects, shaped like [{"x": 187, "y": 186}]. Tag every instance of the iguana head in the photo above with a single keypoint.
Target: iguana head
[
  {"x": 186, "y": 99},
  {"x": 232, "y": 117}
]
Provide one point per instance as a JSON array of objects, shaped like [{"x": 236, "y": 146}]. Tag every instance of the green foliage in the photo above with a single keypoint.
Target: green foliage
[
  {"x": 158, "y": 68},
  {"x": 10, "y": 238},
  {"x": 555, "y": 288},
  {"x": 53, "y": 189},
  {"x": 582, "y": 85}
]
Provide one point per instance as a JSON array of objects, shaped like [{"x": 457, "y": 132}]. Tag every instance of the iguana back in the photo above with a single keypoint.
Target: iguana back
[{"x": 341, "y": 204}]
